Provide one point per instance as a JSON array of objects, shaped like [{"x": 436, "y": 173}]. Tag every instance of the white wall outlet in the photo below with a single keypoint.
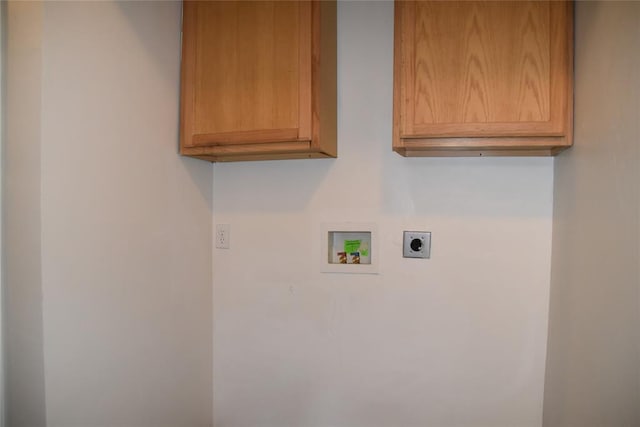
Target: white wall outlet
[
  {"x": 223, "y": 236},
  {"x": 416, "y": 244}
]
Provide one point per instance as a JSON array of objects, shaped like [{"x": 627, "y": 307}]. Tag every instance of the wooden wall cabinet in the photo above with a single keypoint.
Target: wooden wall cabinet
[
  {"x": 258, "y": 80},
  {"x": 483, "y": 78}
]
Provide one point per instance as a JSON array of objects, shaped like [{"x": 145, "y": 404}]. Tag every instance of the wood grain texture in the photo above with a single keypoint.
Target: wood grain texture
[
  {"x": 473, "y": 152},
  {"x": 261, "y": 157},
  {"x": 254, "y": 136},
  {"x": 324, "y": 86},
  {"x": 187, "y": 74},
  {"x": 490, "y": 69},
  {"x": 400, "y": 64},
  {"x": 258, "y": 72},
  {"x": 248, "y": 66},
  {"x": 305, "y": 77},
  {"x": 252, "y": 152}
]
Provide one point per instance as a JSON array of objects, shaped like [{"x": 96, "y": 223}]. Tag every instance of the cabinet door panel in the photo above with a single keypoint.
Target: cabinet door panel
[
  {"x": 248, "y": 73},
  {"x": 490, "y": 68}
]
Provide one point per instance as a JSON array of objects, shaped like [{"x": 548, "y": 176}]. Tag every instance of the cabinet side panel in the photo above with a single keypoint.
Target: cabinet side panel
[
  {"x": 246, "y": 66},
  {"x": 570, "y": 72},
  {"x": 324, "y": 118},
  {"x": 562, "y": 69},
  {"x": 397, "y": 77}
]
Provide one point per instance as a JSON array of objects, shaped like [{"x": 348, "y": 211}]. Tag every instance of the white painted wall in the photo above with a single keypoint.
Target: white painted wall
[
  {"x": 2, "y": 136},
  {"x": 125, "y": 249},
  {"x": 594, "y": 328},
  {"x": 21, "y": 249},
  {"x": 458, "y": 340}
]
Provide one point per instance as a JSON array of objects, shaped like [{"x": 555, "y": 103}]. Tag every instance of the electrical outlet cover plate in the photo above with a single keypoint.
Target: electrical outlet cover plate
[
  {"x": 223, "y": 236},
  {"x": 416, "y": 244}
]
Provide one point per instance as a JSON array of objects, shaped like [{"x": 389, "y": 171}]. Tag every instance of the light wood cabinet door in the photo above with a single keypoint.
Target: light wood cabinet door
[
  {"x": 258, "y": 80},
  {"x": 483, "y": 77}
]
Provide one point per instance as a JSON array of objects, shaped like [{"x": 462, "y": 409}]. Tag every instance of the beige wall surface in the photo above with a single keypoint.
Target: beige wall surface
[
  {"x": 3, "y": 26},
  {"x": 457, "y": 340},
  {"x": 22, "y": 281},
  {"x": 123, "y": 236},
  {"x": 593, "y": 375}
]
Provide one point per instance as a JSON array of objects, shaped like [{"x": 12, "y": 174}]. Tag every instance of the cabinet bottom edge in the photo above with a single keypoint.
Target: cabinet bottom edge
[
  {"x": 258, "y": 157},
  {"x": 479, "y": 152}
]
